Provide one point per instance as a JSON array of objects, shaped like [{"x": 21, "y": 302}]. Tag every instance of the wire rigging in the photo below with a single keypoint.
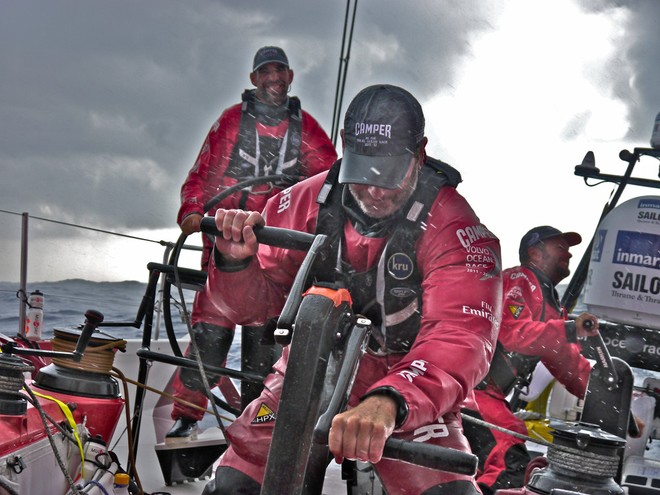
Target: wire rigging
[
  {"x": 341, "y": 73},
  {"x": 84, "y": 227}
]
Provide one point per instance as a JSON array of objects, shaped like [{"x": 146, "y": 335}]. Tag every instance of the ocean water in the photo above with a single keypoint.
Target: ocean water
[
  {"x": 67, "y": 301},
  {"x": 65, "y": 304}
]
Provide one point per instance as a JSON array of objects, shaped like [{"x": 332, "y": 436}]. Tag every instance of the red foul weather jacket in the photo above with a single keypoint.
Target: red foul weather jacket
[
  {"x": 207, "y": 177},
  {"x": 461, "y": 302},
  {"x": 533, "y": 326}
]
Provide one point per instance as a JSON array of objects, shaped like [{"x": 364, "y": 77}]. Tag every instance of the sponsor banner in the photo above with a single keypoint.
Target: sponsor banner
[
  {"x": 637, "y": 249},
  {"x": 636, "y": 346},
  {"x": 623, "y": 283}
]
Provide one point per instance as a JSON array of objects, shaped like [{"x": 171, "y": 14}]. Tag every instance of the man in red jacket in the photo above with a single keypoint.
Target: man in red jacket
[
  {"x": 418, "y": 264},
  {"x": 266, "y": 134},
  {"x": 534, "y": 328}
]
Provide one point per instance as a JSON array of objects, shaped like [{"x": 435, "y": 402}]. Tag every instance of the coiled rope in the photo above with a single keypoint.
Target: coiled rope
[
  {"x": 562, "y": 456},
  {"x": 98, "y": 357},
  {"x": 597, "y": 465},
  {"x": 11, "y": 375}
]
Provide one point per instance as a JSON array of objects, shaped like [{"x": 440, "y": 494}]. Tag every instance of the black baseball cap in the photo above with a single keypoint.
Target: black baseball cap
[
  {"x": 383, "y": 128},
  {"x": 268, "y": 54},
  {"x": 538, "y": 234}
]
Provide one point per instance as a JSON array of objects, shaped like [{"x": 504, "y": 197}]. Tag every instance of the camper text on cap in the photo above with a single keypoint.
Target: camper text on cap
[{"x": 383, "y": 128}]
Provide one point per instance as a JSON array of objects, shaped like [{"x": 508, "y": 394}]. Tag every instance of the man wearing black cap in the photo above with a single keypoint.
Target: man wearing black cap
[
  {"x": 534, "y": 328},
  {"x": 418, "y": 263},
  {"x": 267, "y": 134}
]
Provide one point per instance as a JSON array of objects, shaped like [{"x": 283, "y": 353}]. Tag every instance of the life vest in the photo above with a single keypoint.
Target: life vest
[
  {"x": 389, "y": 294},
  {"x": 258, "y": 156}
]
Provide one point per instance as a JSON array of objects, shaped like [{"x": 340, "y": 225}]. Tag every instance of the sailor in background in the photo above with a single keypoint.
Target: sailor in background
[
  {"x": 268, "y": 133},
  {"x": 534, "y": 328}
]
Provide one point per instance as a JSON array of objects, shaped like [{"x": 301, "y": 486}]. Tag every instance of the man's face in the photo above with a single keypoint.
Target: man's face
[
  {"x": 378, "y": 202},
  {"x": 552, "y": 258},
  {"x": 272, "y": 82}
]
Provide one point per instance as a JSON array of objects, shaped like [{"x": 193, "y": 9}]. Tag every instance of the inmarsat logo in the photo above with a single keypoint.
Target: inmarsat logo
[
  {"x": 643, "y": 213},
  {"x": 400, "y": 266},
  {"x": 637, "y": 249},
  {"x": 649, "y": 203}
]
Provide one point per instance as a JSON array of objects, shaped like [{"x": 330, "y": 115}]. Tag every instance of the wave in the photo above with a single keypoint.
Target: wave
[{"x": 66, "y": 301}]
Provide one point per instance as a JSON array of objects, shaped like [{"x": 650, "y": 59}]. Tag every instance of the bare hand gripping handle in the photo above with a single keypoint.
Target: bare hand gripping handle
[
  {"x": 273, "y": 236},
  {"x": 431, "y": 456}
]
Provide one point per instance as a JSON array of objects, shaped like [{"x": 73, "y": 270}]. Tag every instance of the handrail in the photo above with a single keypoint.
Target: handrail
[{"x": 23, "y": 282}]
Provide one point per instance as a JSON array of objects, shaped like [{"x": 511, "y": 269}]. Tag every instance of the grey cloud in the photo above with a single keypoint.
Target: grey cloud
[
  {"x": 634, "y": 75},
  {"x": 94, "y": 91},
  {"x": 90, "y": 86}
]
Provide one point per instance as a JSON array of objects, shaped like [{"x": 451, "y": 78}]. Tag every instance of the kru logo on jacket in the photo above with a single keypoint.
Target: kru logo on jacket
[{"x": 400, "y": 266}]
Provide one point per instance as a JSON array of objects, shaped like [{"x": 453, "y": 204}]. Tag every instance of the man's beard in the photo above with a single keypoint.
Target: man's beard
[{"x": 371, "y": 209}]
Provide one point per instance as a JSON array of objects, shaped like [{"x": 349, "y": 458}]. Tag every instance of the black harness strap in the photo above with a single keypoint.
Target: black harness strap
[
  {"x": 256, "y": 157},
  {"x": 390, "y": 295}
]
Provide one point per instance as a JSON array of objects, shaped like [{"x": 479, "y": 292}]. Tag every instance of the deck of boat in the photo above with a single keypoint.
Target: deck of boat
[{"x": 156, "y": 421}]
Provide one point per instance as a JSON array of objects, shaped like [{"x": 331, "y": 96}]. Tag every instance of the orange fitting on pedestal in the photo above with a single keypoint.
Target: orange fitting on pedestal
[{"x": 338, "y": 296}]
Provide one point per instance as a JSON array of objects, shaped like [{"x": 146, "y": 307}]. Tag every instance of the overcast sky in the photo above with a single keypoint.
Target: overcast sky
[{"x": 105, "y": 104}]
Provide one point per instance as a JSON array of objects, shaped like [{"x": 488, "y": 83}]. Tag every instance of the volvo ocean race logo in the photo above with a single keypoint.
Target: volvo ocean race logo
[
  {"x": 637, "y": 249},
  {"x": 400, "y": 266}
]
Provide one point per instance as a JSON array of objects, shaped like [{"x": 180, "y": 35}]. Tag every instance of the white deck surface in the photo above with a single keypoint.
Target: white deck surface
[{"x": 155, "y": 425}]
